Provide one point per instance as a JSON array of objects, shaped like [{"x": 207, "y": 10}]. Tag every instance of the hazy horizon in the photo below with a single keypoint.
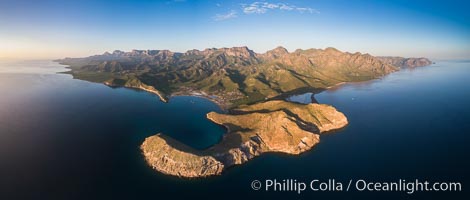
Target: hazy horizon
[{"x": 56, "y": 29}]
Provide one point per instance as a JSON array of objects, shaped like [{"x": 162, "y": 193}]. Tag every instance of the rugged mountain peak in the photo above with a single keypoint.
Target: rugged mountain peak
[
  {"x": 118, "y": 52},
  {"x": 276, "y": 52},
  {"x": 331, "y": 49},
  {"x": 194, "y": 52},
  {"x": 165, "y": 53},
  {"x": 242, "y": 52},
  {"x": 280, "y": 49}
]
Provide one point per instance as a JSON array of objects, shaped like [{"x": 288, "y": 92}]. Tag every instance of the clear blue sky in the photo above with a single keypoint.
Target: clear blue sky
[{"x": 54, "y": 29}]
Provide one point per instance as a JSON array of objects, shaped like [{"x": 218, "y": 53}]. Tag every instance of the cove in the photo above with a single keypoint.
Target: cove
[{"x": 183, "y": 118}]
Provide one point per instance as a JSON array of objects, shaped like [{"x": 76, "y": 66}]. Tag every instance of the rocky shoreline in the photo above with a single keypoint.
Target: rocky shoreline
[
  {"x": 273, "y": 126},
  {"x": 139, "y": 86}
]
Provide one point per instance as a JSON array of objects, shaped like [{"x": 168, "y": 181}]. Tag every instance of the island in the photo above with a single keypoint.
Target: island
[{"x": 249, "y": 86}]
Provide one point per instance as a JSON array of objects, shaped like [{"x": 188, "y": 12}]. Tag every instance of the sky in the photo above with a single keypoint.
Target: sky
[{"x": 50, "y": 29}]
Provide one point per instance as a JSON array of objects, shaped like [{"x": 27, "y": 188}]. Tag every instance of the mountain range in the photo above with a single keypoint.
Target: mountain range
[{"x": 234, "y": 76}]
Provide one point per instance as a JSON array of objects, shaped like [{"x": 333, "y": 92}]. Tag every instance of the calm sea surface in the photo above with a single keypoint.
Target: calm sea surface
[{"x": 62, "y": 138}]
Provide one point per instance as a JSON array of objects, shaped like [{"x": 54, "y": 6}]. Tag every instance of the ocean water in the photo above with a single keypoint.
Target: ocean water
[{"x": 62, "y": 138}]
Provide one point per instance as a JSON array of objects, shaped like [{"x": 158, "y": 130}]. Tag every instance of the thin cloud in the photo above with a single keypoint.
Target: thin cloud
[
  {"x": 286, "y": 7},
  {"x": 229, "y": 15},
  {"x": 255, "y": 7},
  {"x": 263, "y": 7},
  {"x": 308, "y": 10}
]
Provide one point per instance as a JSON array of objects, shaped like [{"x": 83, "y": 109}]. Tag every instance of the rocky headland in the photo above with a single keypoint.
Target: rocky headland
[
  {"x": 405, "y": 62},
  {"x": 273, "y": 126}
]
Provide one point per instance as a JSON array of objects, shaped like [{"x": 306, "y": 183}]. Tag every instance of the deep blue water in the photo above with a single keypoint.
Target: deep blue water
[{"x": 62, "y": 138}]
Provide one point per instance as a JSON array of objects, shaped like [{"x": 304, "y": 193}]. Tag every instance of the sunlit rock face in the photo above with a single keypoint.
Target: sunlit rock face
[{"x": 273, "y": 126}]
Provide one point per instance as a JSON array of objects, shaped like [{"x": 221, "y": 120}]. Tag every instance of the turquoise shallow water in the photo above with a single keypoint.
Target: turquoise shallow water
[{"x": 71, "y": 139}]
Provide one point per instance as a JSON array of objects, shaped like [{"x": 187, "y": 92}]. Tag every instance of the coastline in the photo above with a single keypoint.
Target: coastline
[
  {"x": 151, "y": 90},
  {"x": 222, "y": 105},
  {"x": 280, "y": 126}
]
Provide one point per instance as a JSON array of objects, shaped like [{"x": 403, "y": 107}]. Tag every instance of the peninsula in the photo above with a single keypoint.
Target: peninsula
[{"x": 250, "y": 86}]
